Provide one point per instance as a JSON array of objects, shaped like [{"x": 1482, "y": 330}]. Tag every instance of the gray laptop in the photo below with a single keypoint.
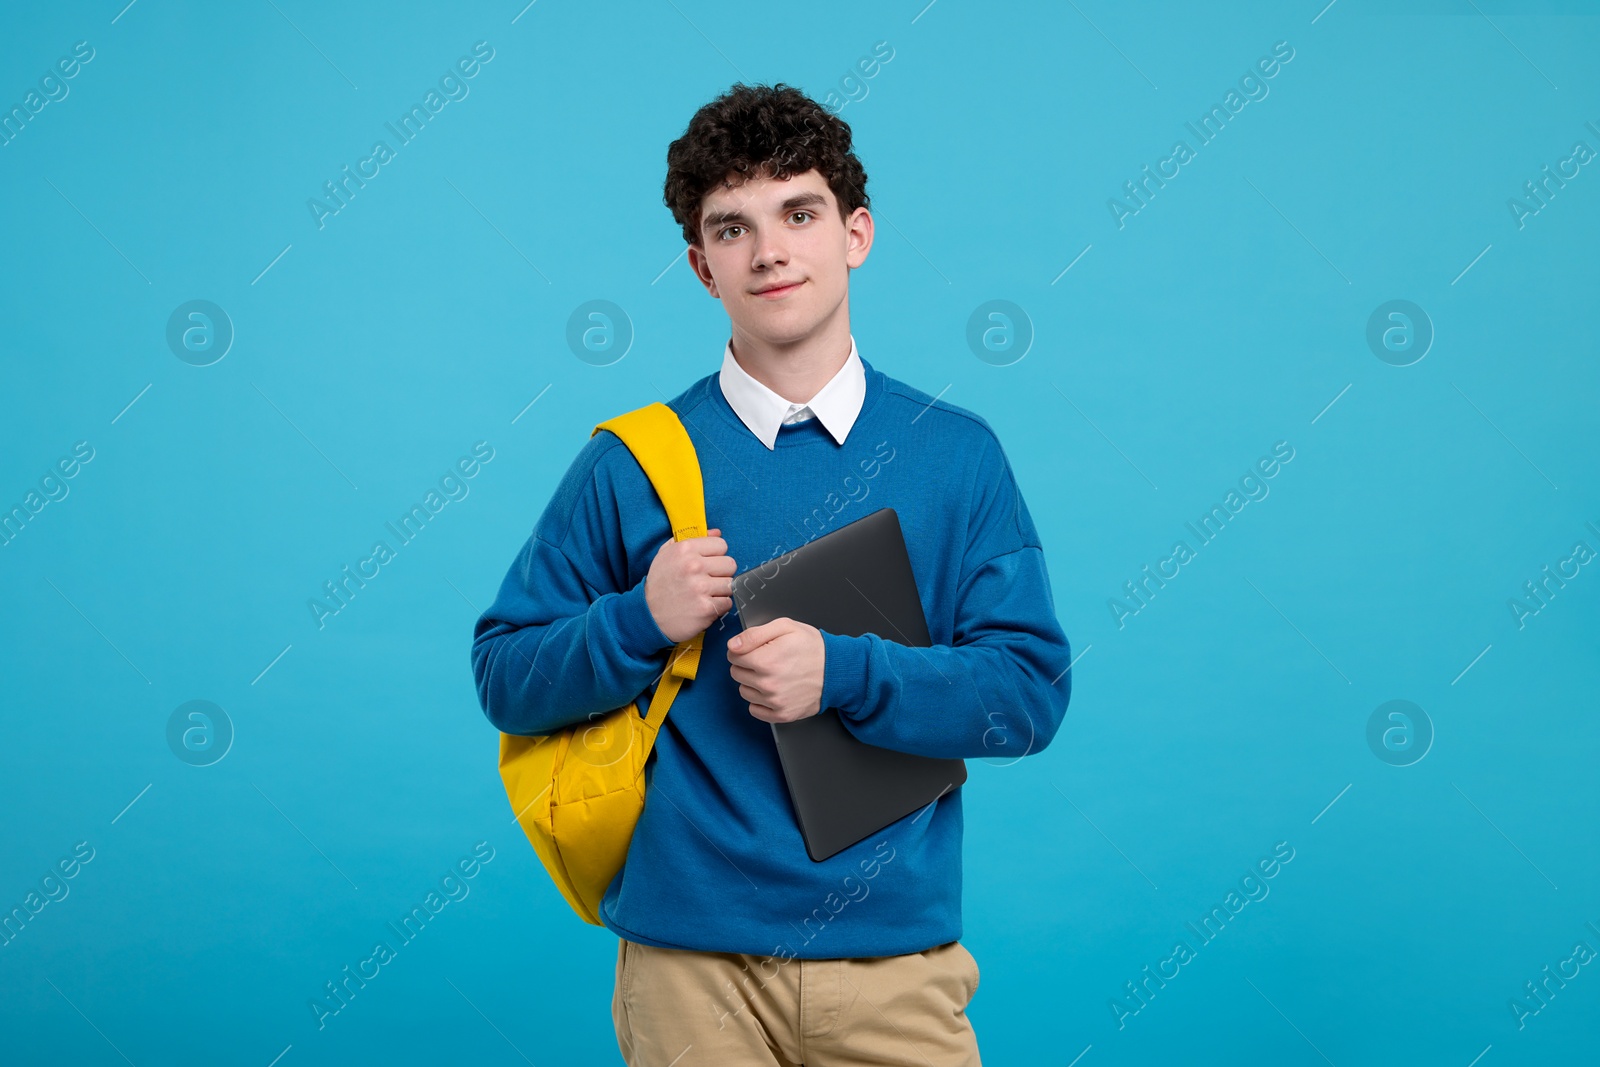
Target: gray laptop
[{"x": 851, "y": 581}]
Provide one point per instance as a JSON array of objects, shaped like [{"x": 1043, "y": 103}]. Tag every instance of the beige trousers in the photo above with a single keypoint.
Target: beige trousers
[{"x": 678, "y": 1008}]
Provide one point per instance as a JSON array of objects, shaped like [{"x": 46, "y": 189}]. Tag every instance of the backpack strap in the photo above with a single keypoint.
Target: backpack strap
[{"x": 662, "y": 447}]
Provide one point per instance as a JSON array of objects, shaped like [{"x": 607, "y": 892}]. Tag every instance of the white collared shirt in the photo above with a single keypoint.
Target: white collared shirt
[{"x": 837, "y": 404}]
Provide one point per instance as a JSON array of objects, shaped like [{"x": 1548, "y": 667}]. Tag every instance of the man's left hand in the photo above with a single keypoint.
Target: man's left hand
[{"x": 778, "y": 666}]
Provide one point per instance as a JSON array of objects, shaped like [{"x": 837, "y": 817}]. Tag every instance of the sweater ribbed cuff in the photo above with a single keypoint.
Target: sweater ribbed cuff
[
  {"x": 844, "y": 673},
  {"x": 636, "y": 628}
]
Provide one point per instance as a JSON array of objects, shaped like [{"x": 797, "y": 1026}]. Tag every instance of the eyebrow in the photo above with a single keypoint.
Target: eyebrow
[{"x": 799, "y": 200}]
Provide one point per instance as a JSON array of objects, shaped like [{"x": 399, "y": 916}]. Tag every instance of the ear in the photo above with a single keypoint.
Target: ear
[
  {"x": 702, "y": 270},
  {"x": 858, "y": 237}
]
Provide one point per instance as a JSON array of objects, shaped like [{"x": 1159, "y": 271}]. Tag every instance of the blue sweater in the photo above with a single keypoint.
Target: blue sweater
[{"x": 717, "y": 862}]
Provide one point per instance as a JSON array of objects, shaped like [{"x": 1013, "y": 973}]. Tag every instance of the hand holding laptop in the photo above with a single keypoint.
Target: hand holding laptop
[
  {"x": 778, "y": 666},
  {"x": 852, "y": 581}
]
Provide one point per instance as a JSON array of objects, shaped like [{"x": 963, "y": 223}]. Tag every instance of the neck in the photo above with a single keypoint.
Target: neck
[{"x": 798, "y": 370}]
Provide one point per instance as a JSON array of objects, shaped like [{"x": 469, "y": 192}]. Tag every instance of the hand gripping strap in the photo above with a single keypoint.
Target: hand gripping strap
[{"x": 664, "y": 451}]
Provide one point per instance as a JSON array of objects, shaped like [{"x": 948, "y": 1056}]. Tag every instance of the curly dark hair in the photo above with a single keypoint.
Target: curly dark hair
[{"x": 755, "y": 130}]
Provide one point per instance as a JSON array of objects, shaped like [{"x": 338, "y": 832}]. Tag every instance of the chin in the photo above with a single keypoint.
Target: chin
[
  {"x": 779, "y": 326},
  {"x": 783, "y": 333},
  {"x": 784, "y": 325}
]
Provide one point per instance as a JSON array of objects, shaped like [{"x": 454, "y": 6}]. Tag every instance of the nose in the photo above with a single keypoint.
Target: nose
[{"x": 769, "y": 249}]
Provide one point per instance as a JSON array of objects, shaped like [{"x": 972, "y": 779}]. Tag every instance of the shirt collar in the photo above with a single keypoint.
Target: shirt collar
[{"x": 836, "y": 404}]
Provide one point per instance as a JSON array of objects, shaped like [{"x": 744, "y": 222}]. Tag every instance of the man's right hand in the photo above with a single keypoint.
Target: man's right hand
[{"x": 690, "y": 584}]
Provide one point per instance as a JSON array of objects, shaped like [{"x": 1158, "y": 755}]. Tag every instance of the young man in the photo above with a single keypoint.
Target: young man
[{"x": 733, "y": 941}]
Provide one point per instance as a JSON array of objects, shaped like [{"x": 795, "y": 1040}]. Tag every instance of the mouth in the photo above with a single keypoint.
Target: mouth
[{"x": 777, "y": 292}]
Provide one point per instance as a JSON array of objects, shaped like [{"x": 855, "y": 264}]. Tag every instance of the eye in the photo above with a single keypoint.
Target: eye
[
  {"x": 723, "y": 235},
  {"x": 800, "y": 215}
]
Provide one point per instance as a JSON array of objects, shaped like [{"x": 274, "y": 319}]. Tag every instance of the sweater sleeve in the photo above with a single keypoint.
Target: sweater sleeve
[
  {"x": 561, "y": 641},
  {"x": 1001, "y": 689}
]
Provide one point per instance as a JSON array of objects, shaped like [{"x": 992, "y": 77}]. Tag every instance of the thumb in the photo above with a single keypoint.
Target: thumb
[{"x": 755, "y": 636}]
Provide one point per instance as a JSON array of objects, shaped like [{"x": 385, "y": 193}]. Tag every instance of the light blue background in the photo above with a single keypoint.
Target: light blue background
[{"x": 1227, "y": 315}]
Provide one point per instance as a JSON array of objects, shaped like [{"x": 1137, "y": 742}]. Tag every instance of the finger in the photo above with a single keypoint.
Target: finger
[
  {"x": 757, "y": 635},
  {"x": 745, "y": 675},
  {"x": 754, "y": 637},
  {"x": 713, "y": 585},
  {"x": 713, "y": 577},
  {"x": 742, "y": 644},
  {"x": 708, "y": 546},
  {"x": 770, "y": 630}
]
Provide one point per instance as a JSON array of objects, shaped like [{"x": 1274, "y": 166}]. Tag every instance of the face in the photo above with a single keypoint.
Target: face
[{"x": 778, "y": 254}]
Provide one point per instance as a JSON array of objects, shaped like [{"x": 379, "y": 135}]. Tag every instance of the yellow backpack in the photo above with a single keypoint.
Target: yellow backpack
[{"x": 578, "y": 793}]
